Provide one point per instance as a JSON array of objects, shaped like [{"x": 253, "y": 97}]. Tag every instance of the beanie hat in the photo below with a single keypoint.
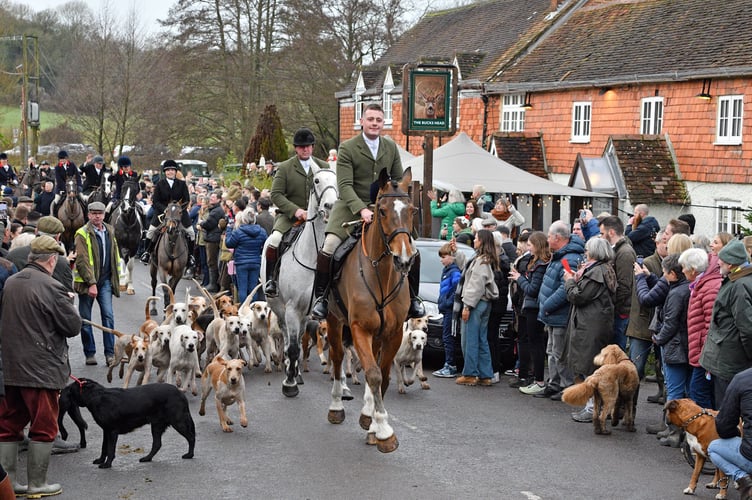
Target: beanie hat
[{"x": 734, "y": 253}]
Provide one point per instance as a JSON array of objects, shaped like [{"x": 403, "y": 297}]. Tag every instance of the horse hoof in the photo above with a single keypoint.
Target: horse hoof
[
  {"x": 365, "y": 422},
  {"x": 347, "y": 395},
  {"x": 290, "y": 390},
  {"x": 336, "y": 416},
  {"x": 371, "y": 439},
  {"x": 388, "y": 445}
]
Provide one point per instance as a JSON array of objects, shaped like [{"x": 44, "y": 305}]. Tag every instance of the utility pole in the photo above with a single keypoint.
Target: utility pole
[{"x": 30, "y": 98}]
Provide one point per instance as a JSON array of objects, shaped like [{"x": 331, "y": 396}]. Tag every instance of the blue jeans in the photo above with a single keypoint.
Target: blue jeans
[
  {"x": 620, "y": 332},
  {"x": 725, "y": 454},
  {"x": 104, "y": 299},
  {"x": 700, "y": 388},
  {"x": 448, "y": 339},
  {"x": 247, "y": 277},
  {"x": 676, "y": 377},
  {"x": 639, "y": 350},
  {"x": 475, "y": 342}
]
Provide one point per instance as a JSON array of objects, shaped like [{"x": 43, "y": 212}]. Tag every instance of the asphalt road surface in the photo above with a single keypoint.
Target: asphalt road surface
[{"x": 455, "y": 442}]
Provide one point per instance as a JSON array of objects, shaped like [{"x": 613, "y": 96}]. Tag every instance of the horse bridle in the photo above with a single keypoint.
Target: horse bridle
[
  {"x": 319, "y": 213},
  {"x": 388, "y": 239}
]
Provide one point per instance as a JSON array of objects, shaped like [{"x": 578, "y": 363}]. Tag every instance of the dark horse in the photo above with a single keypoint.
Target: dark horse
[
  {"x": 29, "y": 184},
  {"x": 373, "y": 298},
  {"x": 127, "y": 222},
  {"x": 71, "y": 213},
  {"x": 170, "y": 256}
]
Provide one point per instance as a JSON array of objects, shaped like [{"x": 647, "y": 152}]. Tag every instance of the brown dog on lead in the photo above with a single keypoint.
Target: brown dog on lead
[
  {"x": 699, "y": 425},
  {"x": 226, "y": 377}
]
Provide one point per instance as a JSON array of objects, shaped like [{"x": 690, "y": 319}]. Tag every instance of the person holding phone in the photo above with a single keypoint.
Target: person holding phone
[
  {"x": 448, "y": 206},
  {"x": 589, "y": 224}
]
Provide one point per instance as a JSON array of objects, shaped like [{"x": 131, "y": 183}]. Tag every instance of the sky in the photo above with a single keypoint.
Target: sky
[{"x": 148, "y": 10}]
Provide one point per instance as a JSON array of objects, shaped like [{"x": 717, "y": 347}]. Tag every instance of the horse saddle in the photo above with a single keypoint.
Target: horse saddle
[
  {"x": 342, "y": 251},
  {"x": 288, "y": 239}
]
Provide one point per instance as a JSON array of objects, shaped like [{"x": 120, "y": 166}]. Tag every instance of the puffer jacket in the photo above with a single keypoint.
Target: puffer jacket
[
  {"x": 703, "y": 292},
  {"x": 652, "y": 292},
  {"x": 248, "y": 242},
  {"x": 728, "y": 346},
  {"x": 553, "y": 308},
  {"x": 643, "y": 236},
  {"x": 450, "y": 276},
  {"x": 530, "y": 282},
  {"x": 672, "y": 337}
]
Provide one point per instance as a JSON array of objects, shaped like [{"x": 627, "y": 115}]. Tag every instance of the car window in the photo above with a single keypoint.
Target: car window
[{"x": 430, "y": 263}]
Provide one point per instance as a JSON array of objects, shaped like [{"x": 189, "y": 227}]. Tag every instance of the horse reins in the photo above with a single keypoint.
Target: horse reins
[{"x": 318, "y": 197}]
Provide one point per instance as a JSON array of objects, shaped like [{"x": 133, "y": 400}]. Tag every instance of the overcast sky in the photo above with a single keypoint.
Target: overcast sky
[{"x": 148, "y": 10}]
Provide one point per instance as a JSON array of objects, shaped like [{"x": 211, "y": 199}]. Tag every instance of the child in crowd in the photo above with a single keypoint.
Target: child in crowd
[{"x": 450, "y": 276}]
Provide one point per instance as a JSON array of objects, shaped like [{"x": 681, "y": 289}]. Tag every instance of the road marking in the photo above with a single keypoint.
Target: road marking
[{"x": 530, "y": 495}]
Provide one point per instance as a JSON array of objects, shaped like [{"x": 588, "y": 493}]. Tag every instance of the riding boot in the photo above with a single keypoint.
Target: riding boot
[
  {"x": 146, "y": 255},
  {"x": 674, "y": 438},
  {"x": 270, "y": 288},
  {"x": 191, "y": 259},
  {"x": 413, "y": 279},
  {"x": 213, "y": 287},
  {"x": 38, "y": 461},
  {"x": 660, "y": 397},
  {"x": 9, "y": 461},
  {"x": 321, "y": 285}
]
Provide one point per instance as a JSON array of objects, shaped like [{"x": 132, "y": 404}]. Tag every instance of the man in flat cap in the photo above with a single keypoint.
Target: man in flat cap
[
  {"x": 35, "y": 364},
  {"x": 52, "y": 227},
  {"x": 728, "y": 347},
  {"x": 97, "y": 276}
]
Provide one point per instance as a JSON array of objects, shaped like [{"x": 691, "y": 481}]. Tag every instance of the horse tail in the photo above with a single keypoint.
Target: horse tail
[{"x": 578, "y": 394}]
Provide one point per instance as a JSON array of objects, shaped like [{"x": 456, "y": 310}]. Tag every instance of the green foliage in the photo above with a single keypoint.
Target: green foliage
[
  {"x": 269, "y": 139},
  {"x": 748, "y": 217}
]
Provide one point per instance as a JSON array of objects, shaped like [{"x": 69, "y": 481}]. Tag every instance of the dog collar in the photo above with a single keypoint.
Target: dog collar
[{"x": 695, "y": 417}]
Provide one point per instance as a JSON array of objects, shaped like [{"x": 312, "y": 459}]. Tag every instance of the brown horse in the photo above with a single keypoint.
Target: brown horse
[
  {"x": 373, "y": 298},
  {"x": 71, "y": 214},
  {"x": 170, "y": 255}
]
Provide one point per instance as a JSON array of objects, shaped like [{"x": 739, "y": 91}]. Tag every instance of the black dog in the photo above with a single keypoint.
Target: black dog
[
  {"x": 120, "y": 411},
  {"x": 67, "y": 405}
]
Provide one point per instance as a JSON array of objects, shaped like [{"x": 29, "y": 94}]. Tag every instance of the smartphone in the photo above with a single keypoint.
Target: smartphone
[
  {"x": 639, "y": 259},
  {"x": 583, "y": 214},
  {"x": 3, "y": 211}
]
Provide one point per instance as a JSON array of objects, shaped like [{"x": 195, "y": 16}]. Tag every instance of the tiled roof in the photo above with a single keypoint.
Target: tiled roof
[
  {"x": 485, "y": 30},
  {"x": 523, "y": 150},
  {"x": 648, "y": 169},
  {"x": 641, "y": 40}
]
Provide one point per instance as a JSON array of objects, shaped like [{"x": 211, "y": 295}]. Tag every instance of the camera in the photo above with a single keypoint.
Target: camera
[
  {"x": 583, "y": 214},
  {"x": 3, "y": 212}
]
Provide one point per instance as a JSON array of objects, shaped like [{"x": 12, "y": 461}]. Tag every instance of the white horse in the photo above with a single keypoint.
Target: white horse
[{"x": 296, "y": 271}]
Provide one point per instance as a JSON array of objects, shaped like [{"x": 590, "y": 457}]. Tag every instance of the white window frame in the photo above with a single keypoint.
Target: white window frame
[
  {"x": 729, "y": 216},
  {"x": 582, "y": 116},
  {"x": 651, "y": 116},
  {"x": 512, "y": 113},
  {"x": 387, "y": 102},
  {"x": 729, "y": 125}
]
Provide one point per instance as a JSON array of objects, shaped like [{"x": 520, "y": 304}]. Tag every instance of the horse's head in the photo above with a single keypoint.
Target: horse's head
[
  {"x": 71, "y": 187},
  {"x": 324, "y": 192},
  {"x": 393, "y": 214},
  {"x": 173, "y": 213}
]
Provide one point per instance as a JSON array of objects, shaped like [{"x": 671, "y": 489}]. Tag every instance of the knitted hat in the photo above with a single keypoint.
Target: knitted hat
[
  {"x": 45, "y": 244},
  {"x": 734, "y": 253},
  {"x": 50, "y": 225}
]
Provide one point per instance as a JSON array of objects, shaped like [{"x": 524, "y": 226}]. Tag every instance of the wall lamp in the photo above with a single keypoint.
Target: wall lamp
[
  {"x": 603, "y": 90},
  {"x": 527, "y": 104},
  {"x": 705, "y": 94}
]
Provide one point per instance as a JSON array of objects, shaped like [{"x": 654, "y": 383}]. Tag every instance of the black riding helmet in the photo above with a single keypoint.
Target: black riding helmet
[{"x": 303, "y": 137}]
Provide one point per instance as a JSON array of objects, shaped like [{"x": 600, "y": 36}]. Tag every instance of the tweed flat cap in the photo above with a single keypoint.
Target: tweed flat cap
[
  {"x": 46, "y": 244},
  {"x": 50, "y": 225}
]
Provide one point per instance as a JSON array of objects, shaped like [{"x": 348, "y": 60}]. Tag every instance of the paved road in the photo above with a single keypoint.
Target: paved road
[{"x": 455, "y": 442}]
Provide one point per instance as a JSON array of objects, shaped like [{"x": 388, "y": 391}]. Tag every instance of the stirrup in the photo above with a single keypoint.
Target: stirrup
[
  {"x": 320, "y": 309},
  {"x": 270, "y": 289},
  {"x": 417, "y": 310},
  {"x": 145, "y": 257}
]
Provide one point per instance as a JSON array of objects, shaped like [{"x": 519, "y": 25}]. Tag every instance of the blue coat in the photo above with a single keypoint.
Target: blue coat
[
  {"x": 248, "y": 242},
  {"x": 643, "y": 236},
  {"x": 591, "y": 229},
  {"x": 450, "y": 276},
  {"x": 552, "y": 298}
]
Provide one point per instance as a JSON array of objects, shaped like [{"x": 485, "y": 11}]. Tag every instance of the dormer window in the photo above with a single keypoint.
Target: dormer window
[{"x": 360, "y": 88}]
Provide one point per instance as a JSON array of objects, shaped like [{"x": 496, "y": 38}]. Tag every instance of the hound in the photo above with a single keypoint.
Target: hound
[
  {"x": 183, "y": 358},
  {"x": 410, "y": 357},
  {"x": 226, "y": 377}
]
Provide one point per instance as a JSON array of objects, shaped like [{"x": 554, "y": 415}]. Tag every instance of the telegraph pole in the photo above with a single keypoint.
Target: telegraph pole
[{"x": 30, "y": 98}]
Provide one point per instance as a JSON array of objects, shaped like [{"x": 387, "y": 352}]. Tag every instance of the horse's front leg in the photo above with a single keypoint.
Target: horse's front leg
[
  {"x": 336, "y": 413},
  {"x": 292, "y": 361},
  {"x": 129, "y": 276}
]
